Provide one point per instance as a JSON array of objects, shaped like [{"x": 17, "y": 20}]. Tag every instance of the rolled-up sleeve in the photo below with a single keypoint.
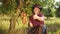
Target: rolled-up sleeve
[{"x": 42, "y": 18}]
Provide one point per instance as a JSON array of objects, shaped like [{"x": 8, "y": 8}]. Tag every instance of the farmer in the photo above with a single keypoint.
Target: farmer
[{"x": 36, "y": 20}]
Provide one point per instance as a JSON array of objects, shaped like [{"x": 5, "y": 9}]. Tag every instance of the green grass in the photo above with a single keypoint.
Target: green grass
[{"x": 53, "y": 25}]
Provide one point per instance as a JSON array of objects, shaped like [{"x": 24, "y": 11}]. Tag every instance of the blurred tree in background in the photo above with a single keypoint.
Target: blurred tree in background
[
  {"x": 57, "y": 9},
  {"x": 9, "y": 7}
]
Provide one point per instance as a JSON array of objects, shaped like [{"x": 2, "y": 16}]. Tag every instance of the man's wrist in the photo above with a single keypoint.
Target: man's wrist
[{"x": 37, "y": 17}]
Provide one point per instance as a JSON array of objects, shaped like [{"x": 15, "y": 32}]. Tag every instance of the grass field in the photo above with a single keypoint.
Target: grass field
[{"x": 53, "y": 25}]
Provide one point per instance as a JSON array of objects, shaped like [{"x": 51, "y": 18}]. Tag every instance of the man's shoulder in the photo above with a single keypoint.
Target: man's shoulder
[{"x": 40, "y": 14}]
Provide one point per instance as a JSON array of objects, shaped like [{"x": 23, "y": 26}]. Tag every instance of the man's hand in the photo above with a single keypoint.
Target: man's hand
[
  {"x": 38, "y": 18},
  {"x": 35, "y": 17},
  {"x": 30, "y": 24}
]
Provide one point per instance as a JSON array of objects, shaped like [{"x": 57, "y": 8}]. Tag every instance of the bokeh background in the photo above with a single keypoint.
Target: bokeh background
[{"x": 14, "y": 15}]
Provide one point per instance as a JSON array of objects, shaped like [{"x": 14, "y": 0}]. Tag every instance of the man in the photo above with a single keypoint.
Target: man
[{"x": 36, "y": 20}]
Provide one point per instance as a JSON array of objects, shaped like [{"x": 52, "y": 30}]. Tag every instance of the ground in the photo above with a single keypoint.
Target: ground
[{"x": 53, "y": 25}]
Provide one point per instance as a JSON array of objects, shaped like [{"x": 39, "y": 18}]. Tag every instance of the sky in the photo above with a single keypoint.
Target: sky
[{"x": 57, "y": 0}]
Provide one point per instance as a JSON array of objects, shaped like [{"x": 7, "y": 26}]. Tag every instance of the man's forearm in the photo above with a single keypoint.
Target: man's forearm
[{"x": 40, "y": 18}]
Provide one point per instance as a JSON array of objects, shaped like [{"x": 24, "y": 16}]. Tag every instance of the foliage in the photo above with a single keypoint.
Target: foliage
[
  {"x": 57, "y": 13},
  {"x": 9, "y": 8},
  {"x": 27, "y": 6},
  {"x": 48, "y": 12}
]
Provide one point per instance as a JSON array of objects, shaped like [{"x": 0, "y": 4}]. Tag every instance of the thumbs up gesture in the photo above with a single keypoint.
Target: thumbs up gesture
[{"x": 35, "y": 17}]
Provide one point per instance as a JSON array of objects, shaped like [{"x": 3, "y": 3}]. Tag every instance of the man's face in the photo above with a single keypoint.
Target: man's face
[{"x": 36, "y": 10}]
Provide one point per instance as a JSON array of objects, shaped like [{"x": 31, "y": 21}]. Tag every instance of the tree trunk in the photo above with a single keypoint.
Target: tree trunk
[
  {"x": 14, "y": 18},
  {"x": 13, "y": 22}
]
